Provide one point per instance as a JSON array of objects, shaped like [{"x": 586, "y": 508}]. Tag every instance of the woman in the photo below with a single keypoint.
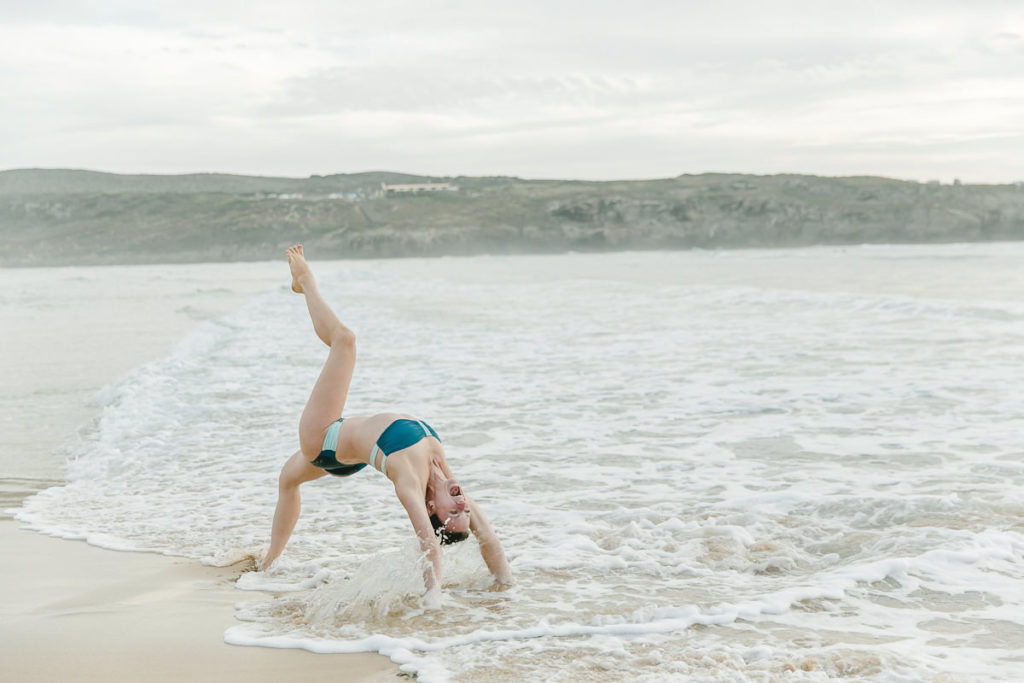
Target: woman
[{"x": 405, "y": 450}]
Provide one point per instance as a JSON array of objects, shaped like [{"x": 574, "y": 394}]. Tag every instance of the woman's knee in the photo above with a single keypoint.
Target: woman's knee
[
  {"x": 287, "y": 481},
  {"x": 293, "y": 473},
  {"x": 343, "y": 337}
]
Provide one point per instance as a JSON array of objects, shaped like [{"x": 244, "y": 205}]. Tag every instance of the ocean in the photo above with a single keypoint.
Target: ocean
[{"x": 758, "y": 465}]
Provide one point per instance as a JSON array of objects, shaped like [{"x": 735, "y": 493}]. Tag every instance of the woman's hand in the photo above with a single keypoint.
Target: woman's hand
[{"x": 490, "y": 546}]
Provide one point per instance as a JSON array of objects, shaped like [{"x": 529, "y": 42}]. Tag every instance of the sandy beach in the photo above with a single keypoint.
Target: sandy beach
[{"x": 73, "y": 612}]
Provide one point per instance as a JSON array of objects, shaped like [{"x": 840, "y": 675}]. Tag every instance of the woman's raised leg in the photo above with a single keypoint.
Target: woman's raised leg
[{"x": 328, "y": 397}]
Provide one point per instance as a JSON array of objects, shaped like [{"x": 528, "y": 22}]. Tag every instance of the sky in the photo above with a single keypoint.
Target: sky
[{"x": 598, "y": 90}]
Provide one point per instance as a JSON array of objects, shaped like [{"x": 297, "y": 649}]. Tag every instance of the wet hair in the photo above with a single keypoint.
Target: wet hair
[{"x": 447, "y": 537}]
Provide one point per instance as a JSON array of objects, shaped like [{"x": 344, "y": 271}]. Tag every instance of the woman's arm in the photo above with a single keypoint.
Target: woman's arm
[
  {"x": 490, "y": 546},
  {"x": 412, "y": 501}
]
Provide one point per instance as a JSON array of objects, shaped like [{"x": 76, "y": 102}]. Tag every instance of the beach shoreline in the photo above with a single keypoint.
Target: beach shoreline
[{"x": 74, "y": 612}]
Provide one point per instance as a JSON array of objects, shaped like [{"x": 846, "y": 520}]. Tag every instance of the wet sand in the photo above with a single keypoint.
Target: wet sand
[{"x": 73, "y": 612}]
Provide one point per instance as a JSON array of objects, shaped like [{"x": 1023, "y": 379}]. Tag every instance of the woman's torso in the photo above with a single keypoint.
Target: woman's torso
[{"x": 358, "y": 435}]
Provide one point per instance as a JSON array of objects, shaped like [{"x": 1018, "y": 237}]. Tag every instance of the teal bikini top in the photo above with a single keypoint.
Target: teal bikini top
[{"x": 398, "y": 435}]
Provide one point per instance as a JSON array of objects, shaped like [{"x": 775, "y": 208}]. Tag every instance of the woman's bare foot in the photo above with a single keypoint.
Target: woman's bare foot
[
  {"x": 263, "y": 564},
  {"x": 300, "y": 269}
]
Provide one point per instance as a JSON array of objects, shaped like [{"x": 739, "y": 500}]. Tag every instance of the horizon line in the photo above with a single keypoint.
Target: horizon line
[{"x": 314, "y": 176}]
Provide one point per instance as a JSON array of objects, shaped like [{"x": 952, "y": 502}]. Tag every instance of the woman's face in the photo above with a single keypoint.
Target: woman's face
[{"x": 449, "y": 504}]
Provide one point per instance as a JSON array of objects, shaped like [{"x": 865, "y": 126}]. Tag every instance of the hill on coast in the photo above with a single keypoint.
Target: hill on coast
[{"x": 57, "y": 217}]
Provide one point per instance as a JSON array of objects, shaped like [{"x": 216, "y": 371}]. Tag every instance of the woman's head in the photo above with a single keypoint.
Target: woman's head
[
  {"x": 446, "y": 505},
  {"x": 447, "y": 537}
]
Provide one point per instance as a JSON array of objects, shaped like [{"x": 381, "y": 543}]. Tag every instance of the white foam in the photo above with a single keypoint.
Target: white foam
[
  {"x": 815, "y": 478},
  {"x": 645, "y": 621}
]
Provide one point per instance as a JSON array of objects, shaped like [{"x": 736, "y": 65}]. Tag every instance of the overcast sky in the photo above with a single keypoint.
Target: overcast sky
[{"x": 554, "y": 89}]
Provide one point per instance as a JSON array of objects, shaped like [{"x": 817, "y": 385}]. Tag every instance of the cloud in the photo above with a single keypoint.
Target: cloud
[{"x": 532, "y": 88}]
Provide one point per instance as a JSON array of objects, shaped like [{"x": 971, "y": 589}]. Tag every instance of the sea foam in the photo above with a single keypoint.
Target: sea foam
[{"x": 709, "y": 479}]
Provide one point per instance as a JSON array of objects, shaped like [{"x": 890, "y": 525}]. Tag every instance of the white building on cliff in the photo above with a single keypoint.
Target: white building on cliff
[{"x": 415, "y": 188}]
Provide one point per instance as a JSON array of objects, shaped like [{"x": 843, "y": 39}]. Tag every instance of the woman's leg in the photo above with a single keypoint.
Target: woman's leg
[
  {"x": 295, "y": 471},
  {"x": 327, "y": 400}
]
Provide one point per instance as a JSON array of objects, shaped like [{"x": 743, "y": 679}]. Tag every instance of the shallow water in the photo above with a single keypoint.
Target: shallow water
[
  {"x": 66, "y": 332},
  {"x": 742, "y": 465}
]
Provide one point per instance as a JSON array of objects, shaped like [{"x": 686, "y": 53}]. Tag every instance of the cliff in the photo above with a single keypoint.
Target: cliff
[{"x": 51, "y": 217}]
